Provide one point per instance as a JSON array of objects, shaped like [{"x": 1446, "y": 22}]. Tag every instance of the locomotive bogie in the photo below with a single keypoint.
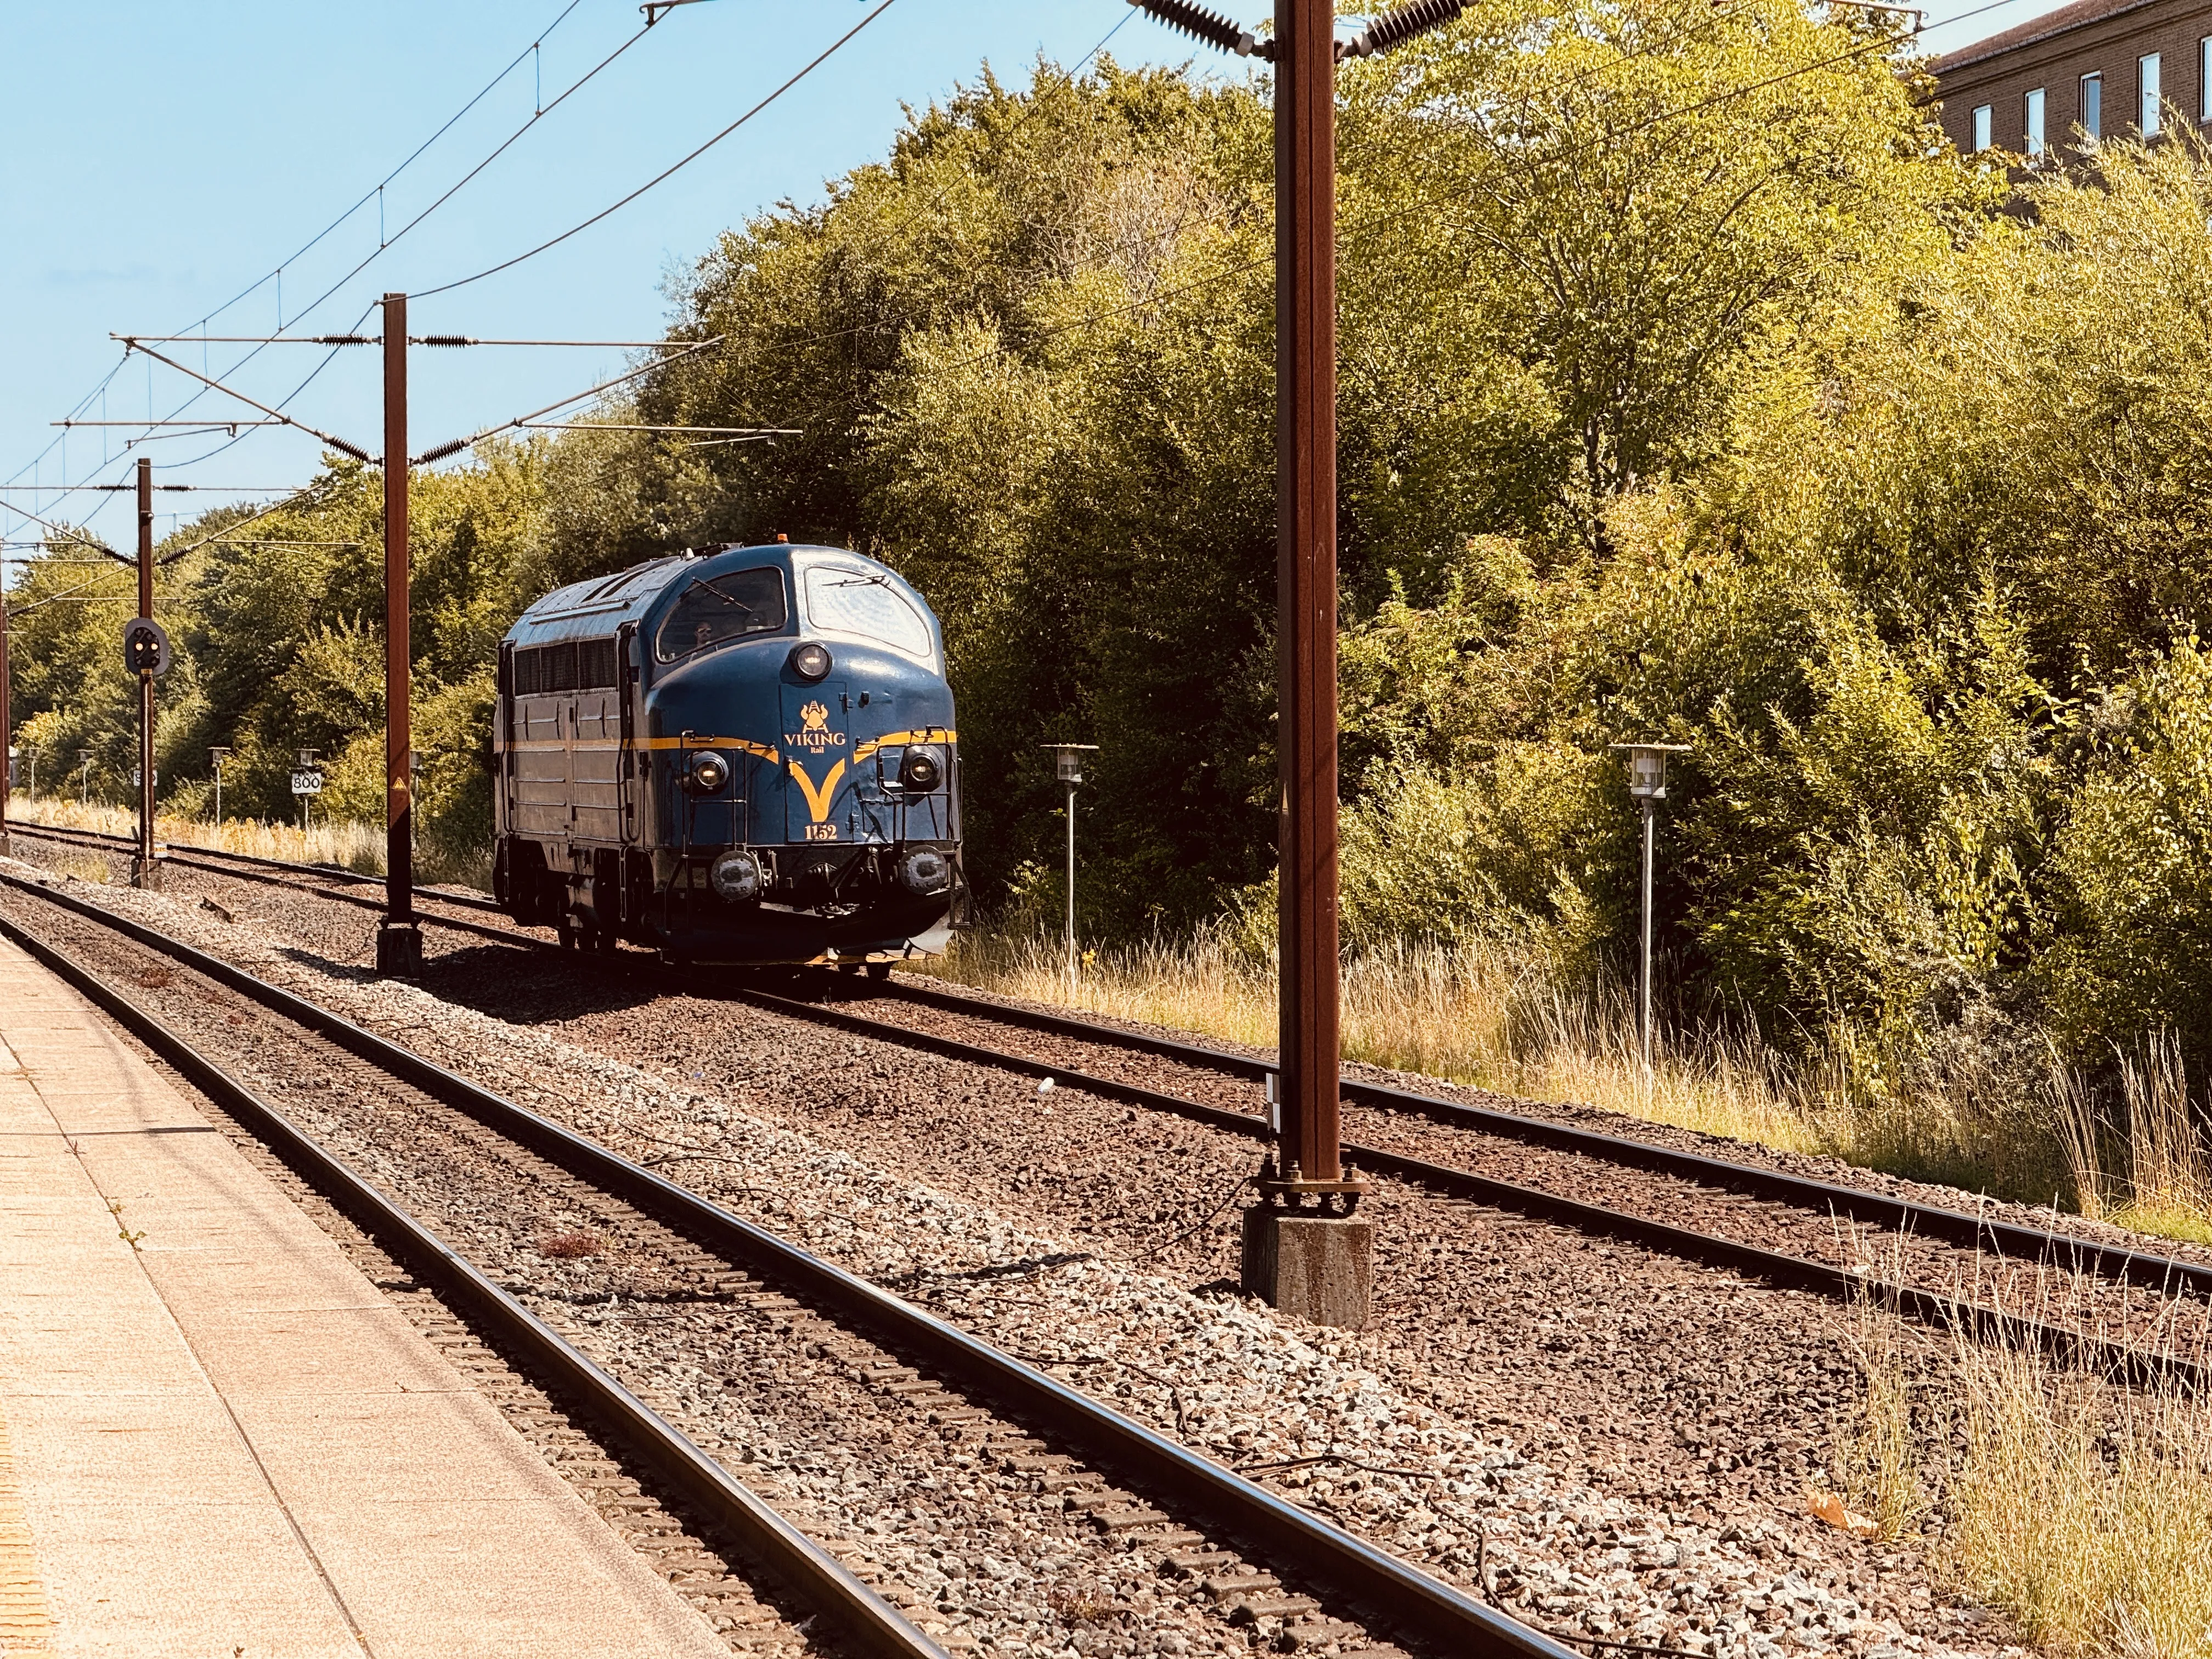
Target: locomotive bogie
[{"x": 746, "y": 756}]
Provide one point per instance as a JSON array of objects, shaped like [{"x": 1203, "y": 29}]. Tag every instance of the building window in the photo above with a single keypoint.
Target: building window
[
  {"x": 2092, "y": 104},
  {"x": 2148, "y": 102},
  {"x": 1981, "y": 128},
  {"x": 2035, "y": 122},
  {"x": 2204, "y": 79}
]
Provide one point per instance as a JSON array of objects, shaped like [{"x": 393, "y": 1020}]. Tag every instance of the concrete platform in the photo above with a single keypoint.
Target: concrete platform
[{"x": 218, "y": 1440}]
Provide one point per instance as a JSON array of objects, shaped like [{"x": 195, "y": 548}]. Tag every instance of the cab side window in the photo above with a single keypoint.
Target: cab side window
[{"x": 711, "y": 610}]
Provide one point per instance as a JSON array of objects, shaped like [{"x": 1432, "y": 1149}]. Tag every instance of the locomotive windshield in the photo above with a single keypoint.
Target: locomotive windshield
[
  {"x": 849, "y": 601},
  {"x": 713, "y": 608}
]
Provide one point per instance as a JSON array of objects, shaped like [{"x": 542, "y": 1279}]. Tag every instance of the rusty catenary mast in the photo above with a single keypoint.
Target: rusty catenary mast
[
  {"x": 143, "y": 872},
  {"x": 1303, "y": 1250},
  {"x": 398, "y": 936}
]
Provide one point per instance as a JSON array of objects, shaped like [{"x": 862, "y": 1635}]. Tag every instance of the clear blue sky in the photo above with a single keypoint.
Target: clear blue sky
[{"x": 156, "y": 158}]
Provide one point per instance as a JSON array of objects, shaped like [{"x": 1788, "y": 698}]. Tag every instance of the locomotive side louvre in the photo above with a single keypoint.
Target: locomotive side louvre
[
  {"x": 678, "y": 765},
  {"x": 567, "y": 724}
]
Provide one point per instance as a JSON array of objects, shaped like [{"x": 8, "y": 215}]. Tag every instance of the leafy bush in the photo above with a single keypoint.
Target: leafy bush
[{"x": 2133, "y": 955}]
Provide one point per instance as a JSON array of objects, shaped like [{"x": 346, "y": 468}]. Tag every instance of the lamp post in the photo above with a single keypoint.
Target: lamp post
[
  {"x": 1647, "y": 782},
  {"x": 1071, "y": 774},
  {"x": 218, "y": 756},
  {"x": 84, "y": 787}
]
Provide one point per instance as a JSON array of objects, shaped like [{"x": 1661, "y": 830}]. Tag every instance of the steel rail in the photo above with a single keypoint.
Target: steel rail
[
  {"x": 2011, "y": 1239},
  {"x": 360, "y": 900},
  {"x": 196, "y": 857},
  {"x": 1776, "y": 1268},
  {"x": 874, "y": 1625},
  {"x": 1392, "y": 1593},
  {"x": 1953, "y": 1226}
]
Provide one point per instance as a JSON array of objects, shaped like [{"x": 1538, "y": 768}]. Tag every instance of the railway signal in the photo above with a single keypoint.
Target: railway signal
[
  {"x": 218, "y": 757},
  {"x": 1304, "y": 1251}
]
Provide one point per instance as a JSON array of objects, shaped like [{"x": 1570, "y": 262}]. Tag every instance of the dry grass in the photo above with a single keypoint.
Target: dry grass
[
  {"x": 569, "y": 1246},
  {"x": 342, "y": 841},
  {"x": 2084, "y": 1512},
  {"x": 2081, "y": 1509},
  {"x": 1454, "y": 1014}
]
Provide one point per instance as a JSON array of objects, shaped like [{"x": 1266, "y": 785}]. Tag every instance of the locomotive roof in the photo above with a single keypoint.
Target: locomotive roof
[{"x": 595, "y": 608}]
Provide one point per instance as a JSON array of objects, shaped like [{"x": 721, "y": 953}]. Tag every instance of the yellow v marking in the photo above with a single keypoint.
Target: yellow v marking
[{"x": 817, "y": 800}]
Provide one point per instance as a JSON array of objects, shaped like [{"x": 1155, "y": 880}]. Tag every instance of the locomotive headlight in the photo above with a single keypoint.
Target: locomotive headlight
[
  {"x": 922, "y": 770},
  {"x": 924, "y": 871},
  {"x": 809, "y": 661},
  {"x": 735, "y": 876},
  {"x": 708, "y": 773}
]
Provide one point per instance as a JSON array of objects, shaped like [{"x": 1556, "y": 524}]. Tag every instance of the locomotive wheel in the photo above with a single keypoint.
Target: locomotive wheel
[
  {"x": 568, "y": 936},
  {"x": 879, "y": 971}
]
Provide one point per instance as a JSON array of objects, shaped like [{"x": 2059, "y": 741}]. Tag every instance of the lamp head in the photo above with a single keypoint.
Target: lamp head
[
  {"x": 1071, "y": 759},
  {"x": 1647, "y": 767}
]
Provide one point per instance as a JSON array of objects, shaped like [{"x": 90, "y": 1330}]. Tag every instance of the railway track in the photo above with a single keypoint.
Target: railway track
[
  {"x": 724, "y": 1291},
  {"x": 1920, "y": 1235},
  {"x": 248, "y": 867},
  {"x": 1567, "y": 1175},
  {"x": 326, "y": 881}
]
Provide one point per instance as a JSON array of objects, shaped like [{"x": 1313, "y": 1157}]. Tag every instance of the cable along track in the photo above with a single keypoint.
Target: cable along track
[
  {"x": 1380, "y": 1592},
  {"x": 1976, "y": 1239}
]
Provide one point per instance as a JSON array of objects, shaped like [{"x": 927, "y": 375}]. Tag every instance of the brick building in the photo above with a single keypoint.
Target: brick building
[{"x": 2114, "y": 68}]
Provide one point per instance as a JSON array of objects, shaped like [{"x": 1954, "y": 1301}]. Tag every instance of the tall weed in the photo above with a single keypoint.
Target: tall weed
[{"x": 2083, "y": 1511}]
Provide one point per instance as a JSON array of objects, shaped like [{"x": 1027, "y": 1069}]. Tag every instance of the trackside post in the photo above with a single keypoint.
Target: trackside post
[
  {"x": 398, "y": 936},
  {"x": 143, "y": 871}
]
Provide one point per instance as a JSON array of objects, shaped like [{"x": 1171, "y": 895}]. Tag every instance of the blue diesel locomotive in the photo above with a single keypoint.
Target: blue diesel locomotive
[{"x": 744, "y": 755}]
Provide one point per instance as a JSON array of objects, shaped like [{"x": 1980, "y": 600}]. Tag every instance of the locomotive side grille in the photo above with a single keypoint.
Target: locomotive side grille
[
  {"x": 572, "y": 665},
  {"x": 560, "y": 666},
  {"x": 595, "y": 664}
]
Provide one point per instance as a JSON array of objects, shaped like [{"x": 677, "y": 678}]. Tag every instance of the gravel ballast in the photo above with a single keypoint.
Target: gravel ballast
[{"x": 1580, "y": 1409}]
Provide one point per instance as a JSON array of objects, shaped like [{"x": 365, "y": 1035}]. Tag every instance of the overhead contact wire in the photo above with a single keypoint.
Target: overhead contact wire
[
  {"x": 505, "y": 144},
  {"x": 508, "y": 264},
  {"x": 413, "y": 156}
]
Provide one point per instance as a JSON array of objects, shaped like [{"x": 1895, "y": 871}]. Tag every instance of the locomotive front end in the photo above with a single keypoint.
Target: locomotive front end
[{"x": 789, "y": 768}]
